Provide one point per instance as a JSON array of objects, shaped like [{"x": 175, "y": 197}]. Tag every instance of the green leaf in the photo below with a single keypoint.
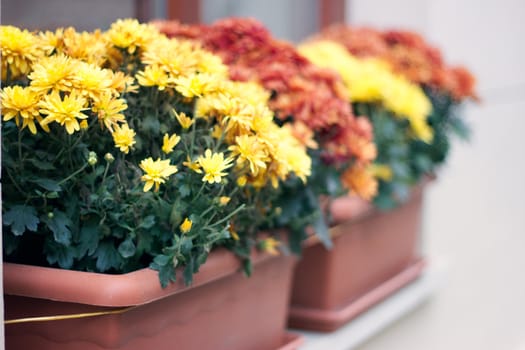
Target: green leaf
[
  {"x": 296, "y": 236},
  {"x": 162, "y": 260},
  {"x": 166, "y": 271},
  {"x": 21, "y": 218},
  {"x": 247, "y": 267},
  {"x": 460, "y": 128},
  {"x": 88, "y": 239},
  {"x": 186, "y": 245},
  {"x": 188, "y": 271},
  {"x": 48, "y": 184},
  {"x": 202, "y": 257},
  {"x": 127, "y": 248},
  {"x": 58, "y": 223},
  {"x": 322, "y": 231},
  {"x": 107, "y": 257},
  {"x": 184, "y": 190},
  {"x": 59, "y": 254},
  {"x": 42, "y": 165},
  {"x": 150, "y": 124},
  {"x": 147, "y": 222}
]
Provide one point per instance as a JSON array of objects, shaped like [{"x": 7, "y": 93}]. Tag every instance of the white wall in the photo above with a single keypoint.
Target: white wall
[{"x": 475, "y": 211}]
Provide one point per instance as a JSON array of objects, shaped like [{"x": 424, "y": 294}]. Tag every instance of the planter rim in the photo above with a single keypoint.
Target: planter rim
[{"x": 129, "y": 289}]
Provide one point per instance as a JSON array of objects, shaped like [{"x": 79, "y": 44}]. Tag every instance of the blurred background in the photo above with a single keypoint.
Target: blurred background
[{"x": 474, "y": 211}]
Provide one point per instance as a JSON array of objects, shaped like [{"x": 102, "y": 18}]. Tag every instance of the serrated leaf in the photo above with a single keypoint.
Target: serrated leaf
[
  {"x": 59, "y": 224},
  {"x": 21, "y": 218},
  {"x": 88, "y": 240},
  {"x": 127, "y": 248},
  {"x": 107, "y": 257},
  {"x": 166, "y": 273},
  {"x": 59, "y": 254}
]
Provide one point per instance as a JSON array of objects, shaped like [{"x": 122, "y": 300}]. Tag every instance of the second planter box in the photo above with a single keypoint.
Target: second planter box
[{"x": 375, "y": 253}]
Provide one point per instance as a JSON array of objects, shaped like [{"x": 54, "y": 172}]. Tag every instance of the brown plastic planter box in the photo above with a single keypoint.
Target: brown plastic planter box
[
  {"x": 375, "y": 254},
  {"x": 221, "y": 310}
]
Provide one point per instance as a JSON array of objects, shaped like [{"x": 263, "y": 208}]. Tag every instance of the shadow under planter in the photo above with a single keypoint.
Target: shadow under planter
[
  {"x": 375, "y": 253},
  {"x": 221, "y": 310}
]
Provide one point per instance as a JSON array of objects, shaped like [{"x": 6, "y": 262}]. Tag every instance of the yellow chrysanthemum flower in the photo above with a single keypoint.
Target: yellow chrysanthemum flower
[
  {"x": 22, "y": 104},
  {"x": 173, "y": 56},
  {"x": 51, "y": 41},
  {"x": 183, "y": 120},
  {"x": 19, "y": 49},
  {"x": 54, "y": 72},
  {"x": 186, "y": 225},
  {"x": 91, "y": 80},
  {"x": 213, "y": 165},
  {"x": 153, "y": 76},
  {"x": 223, "y": 200},
  {"x": 156, "y": 172},
  {"x": 124, "y": 137},
  {"x": 91, "y": 47},
  {"x": 372, "y": 80},
  {"x": 195, "y": 166},
  {"x": 269, "y": 245},
  {"x": 242, "y": 181},
  {"x": 65, "y": 112},
  {"x": 108, "y": 110},
  {"x": 197, "y": 84},
  {"x": 121, "y": 82},
  {"x": 381, "y": 171},
  {"x": 210, "y": 63},
  {"x": 249, "y": 149},
  {"x": 129, "y": 34},
  {"x": 169, "y": 142}
]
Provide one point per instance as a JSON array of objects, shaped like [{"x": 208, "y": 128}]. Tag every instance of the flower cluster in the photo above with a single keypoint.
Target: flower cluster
[
  {"x": 124, "y": 148},
  {"x": 396, "y": 74},
  {"x": 409, "y": 55},
  {"x": 371, "y": 80},
  {"x": 312, "y": 99}
]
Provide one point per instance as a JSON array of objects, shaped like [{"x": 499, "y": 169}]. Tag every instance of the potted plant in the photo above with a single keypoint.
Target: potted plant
[
  {"x": 125, "y": 152},
  {"x": 411, "y": 132}
]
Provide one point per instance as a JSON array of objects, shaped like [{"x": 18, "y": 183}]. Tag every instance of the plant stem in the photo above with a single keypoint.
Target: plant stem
[
  {"x": 15, "y": 184},
  {"x": 20, "y": 149},
  {"x": 73, "y": 175},
  {"x": 200, "y": 192},
  {"x": 229, "y": 216}
]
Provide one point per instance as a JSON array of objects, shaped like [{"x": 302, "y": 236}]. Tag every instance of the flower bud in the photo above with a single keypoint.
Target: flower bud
[
  {"x": 109, "y": 158},
  {"x": 92, "y": 158},
  {"x": 50, "y": 215}
]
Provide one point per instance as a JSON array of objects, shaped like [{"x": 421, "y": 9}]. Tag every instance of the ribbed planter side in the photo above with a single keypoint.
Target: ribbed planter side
[
  {"x": 222, "y": 310},
  {"x": 374, "y": 254}
]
